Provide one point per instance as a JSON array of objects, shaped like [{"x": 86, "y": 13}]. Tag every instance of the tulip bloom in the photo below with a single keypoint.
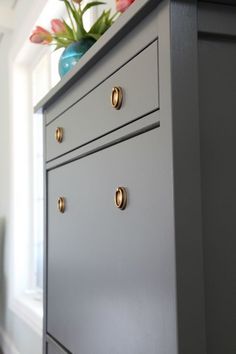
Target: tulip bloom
[
  {"x": 58, "y": 26},
  {"x": 77, "y": 1},
  {"x": 122, "y": 5},
  {"x": 41, "y": 36}
]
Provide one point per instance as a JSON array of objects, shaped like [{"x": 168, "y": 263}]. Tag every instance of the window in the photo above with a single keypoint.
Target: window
[{"x": 34, "y": 73}]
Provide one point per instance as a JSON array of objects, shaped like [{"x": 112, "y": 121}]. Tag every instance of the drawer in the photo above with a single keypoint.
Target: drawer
[
  {"x": 93, "y": 116},
  {"x": 111, "y": 271}
]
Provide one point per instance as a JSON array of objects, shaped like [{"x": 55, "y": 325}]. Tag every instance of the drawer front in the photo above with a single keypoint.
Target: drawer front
[
  {"x": 94, "y": 115},
  {"x": 110, "y": 271}
]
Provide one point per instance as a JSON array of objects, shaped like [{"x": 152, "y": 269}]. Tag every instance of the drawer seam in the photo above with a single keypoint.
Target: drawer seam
[
  {"x": 103, "y": 135},
  {"x": 107, "y": 145},
  {"x": 54, "y": 341}
]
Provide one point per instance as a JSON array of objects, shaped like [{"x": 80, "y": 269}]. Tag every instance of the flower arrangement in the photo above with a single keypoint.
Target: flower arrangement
[
  {"x": 72, "y": 35},
  {"x": 63, "y": 33}
]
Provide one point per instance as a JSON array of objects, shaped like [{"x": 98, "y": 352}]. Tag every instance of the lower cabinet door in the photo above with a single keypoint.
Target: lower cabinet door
[{"x": 111, "y": 261}]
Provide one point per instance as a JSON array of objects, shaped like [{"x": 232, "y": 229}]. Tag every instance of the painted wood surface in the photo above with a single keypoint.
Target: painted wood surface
[
  {"x": 111, "y": 273},
  {"x": 168, "y": 158},
  {"x": 94, "y": 115}
]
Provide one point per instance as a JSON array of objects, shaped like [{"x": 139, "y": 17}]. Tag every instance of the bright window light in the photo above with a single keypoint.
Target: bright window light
[{"x": 35, "y": 72}]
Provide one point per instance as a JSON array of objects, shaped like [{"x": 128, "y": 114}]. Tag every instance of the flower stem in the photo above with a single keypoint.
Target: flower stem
[
  {"x": 115, "y": 14},
  {"x": 71, "y": 20}
]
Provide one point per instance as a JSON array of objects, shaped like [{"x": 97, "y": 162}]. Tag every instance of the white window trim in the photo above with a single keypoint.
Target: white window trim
[
  {"x": 29, "y": 311},
  {"x": 24, "y": 304},
  {"x": 23, "y": 55}
]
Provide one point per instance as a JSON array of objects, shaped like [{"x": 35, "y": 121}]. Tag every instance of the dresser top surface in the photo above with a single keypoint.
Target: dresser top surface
[{"x": 123, "y": 25}]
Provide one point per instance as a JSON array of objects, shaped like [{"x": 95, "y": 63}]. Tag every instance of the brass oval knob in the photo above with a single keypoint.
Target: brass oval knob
[
  {"x": 59, "y": 134},
  {"x": 61, "y": 204},
  {"x": 121, "y": 198},
  {"x": 116, "y": 97}
]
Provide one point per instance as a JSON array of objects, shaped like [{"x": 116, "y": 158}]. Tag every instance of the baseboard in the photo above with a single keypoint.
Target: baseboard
[{"x": 6, "y": 344}]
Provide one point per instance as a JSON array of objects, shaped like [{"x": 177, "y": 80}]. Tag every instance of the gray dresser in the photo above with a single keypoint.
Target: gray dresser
[{"x": 140, "y": 187}]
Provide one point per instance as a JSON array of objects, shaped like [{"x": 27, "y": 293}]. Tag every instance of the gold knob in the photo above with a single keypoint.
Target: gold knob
[
  {"x": 121, "y": 198},
  {"x": 116, "y": 97},
  {"x": 61, "y": 204},
  {"x": 59, "y": 134}
]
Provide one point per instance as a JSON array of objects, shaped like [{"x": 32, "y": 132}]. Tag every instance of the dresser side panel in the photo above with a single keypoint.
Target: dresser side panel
[
  {"x": 187, "y": 178},
  {"x": 217, "y": 58}
]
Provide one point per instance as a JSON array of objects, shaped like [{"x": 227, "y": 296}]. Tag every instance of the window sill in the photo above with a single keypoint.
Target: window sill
[{"x": 30, "y": 310}]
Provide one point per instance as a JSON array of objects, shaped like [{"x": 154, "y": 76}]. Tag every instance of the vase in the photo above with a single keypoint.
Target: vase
[{"x": 72, "y": 54}]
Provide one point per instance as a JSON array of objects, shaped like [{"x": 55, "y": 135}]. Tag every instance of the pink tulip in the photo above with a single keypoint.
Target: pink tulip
[
  {"x": 41, "y": 36},
  {"x": 77, "y": 1},
  {"x": 122, "y": 5},
  {"x": 58, "y": 26}
]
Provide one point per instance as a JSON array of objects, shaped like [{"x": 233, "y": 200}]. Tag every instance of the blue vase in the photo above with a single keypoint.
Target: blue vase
[{"x": 72, "y": 54}]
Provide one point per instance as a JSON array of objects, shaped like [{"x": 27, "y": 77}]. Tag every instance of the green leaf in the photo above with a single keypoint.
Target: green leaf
[
  {"x": 71, "y": 10},
  {"x": 79, "y": 32},
  {"x": 91, "y": 4},
  {"x": 69, "y": 30},
  {"x": 63, "y": 41},
  {"x": 95, "y": 36},
  {"x": 77, "y": 16},
  {"x": 102, "y": 24},
  {"x": 96, "y": 25},
  {"x": 114, "y": 16},
  {"x": 67, "y": 5},
  {"x": 76, "y": 31}
]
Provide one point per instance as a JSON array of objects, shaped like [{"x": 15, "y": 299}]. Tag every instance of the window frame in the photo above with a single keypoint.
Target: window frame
[{"x": 25, "y": 300}]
